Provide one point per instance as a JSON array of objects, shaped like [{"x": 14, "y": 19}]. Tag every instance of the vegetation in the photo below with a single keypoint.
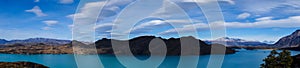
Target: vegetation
[
  {"x": 21, "y": 65},
  {"x": 278, "y": 60}
]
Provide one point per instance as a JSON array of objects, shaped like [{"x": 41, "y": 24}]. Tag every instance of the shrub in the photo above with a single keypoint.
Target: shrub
[{"x": 278, "y": 60}]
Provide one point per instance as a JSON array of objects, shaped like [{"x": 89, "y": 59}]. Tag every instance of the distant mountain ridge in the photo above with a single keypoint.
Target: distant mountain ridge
[
  {"x": 46, "y": 41},
  {"x": 237, "y": 42},
  {"x": 292, "y": 40}
]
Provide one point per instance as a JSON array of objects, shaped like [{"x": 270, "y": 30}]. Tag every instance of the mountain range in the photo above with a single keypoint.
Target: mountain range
[
  {"x": 292, "y": 40},
  {"x": 238, "y": 42},
  {"x": 32, "y": 41},
  {"x": 48, "y": 41},
  {"x": 143, "y": 45}
]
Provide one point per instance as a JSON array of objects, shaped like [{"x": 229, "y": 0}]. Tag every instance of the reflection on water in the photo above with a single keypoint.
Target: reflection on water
[{"x": 241, "y": 59}]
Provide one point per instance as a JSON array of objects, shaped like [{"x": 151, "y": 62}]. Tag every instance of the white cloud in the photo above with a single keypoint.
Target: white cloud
[
  {"x": 109, "y": 8},
  {"x": 170, "y": 13},
  {"x": 199, "y": 1},
  {"x": 243, "y": 16},
  {"x": 71, "y": 26},
  {"x": 265, "y": 22},
  {"x": 266, "y": 6},
  {"x": 85, "y": 19},
  {"x": 87, "y": 11},
  {"x": 46, "y": 28},
  {"x": 36, "y": 0},
  {"x": 263, "y": 18},
  {"x": 100, "y": 26},
  {"x": 147, "y": 26},
  {"x": 229, "y": 1},
  {"x": 208, "y": 1},
  {"x": 50, "y": 22},
  {"x": 186, "y": 28},
  {"x": 150, "y": 23},
  {"x": 66, "y": 1},
  {"x": 37, "y": 11}
]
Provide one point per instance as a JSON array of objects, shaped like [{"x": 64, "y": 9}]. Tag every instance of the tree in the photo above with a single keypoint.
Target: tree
[
  {"x": 285, "y": 59},
  {"x": 278, "y": 60},
  {"x": 270, "y": 61}
]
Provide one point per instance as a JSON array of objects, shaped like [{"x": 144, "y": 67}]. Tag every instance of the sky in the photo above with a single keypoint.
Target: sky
[{"x": 257, "y": 20}]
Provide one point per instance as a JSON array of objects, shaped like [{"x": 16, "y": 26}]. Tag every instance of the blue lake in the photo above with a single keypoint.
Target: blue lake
[{"x": 241, "y": 59}]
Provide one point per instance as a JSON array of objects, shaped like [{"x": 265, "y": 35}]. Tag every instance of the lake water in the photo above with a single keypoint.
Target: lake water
[{"x": 241, "y": 59}]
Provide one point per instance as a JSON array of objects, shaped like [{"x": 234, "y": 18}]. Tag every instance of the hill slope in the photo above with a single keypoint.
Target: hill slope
[{"x": 292, "y": 40}]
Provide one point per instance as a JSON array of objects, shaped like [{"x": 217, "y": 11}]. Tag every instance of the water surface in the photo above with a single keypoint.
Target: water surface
[{"x": 241, "y": 59}]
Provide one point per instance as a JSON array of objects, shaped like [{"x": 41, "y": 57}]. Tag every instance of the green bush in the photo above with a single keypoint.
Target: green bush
[{"x": 278, "y": 60}]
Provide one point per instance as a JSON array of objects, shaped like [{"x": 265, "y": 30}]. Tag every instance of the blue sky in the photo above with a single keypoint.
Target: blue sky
[{"x": 247, "y": 19}]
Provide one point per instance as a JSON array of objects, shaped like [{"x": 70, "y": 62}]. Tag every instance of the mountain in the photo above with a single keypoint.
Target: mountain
[
  {"x": 32, "y": 41},
  {"x": 292, "y": 40},
  {"x": 140, "y": 45},
  {"x": 237, "y": 42},
  {"x": 3, "y": 41}
]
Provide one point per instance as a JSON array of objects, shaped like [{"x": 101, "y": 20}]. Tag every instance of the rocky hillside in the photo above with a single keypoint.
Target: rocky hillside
[{"x": 292, "y": 40}]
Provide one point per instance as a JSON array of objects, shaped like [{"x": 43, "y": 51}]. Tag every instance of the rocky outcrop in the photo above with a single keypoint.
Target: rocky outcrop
[
  {"x": 21, "y": 65},
  {"x": 292, "y": 40}
]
